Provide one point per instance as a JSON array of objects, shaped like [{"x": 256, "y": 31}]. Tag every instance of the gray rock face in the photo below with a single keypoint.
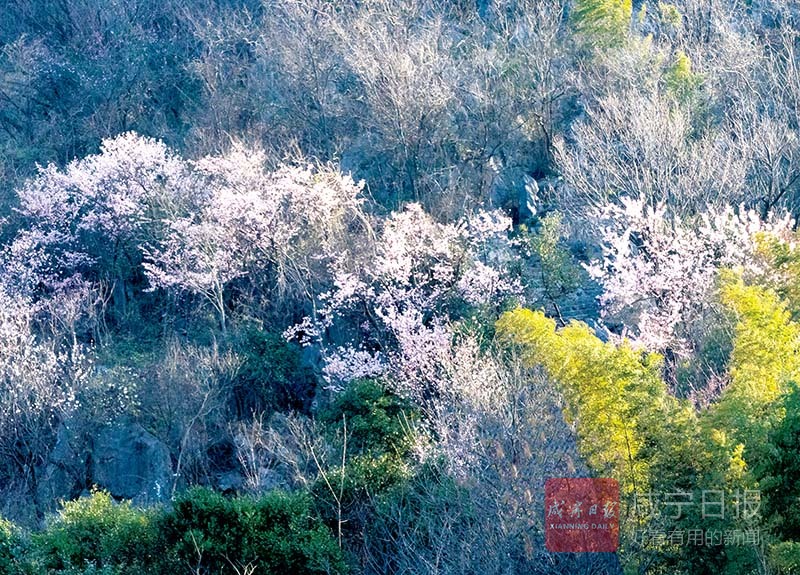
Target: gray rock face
[
  {"x": 507, "y": 187},
  {"x": 230, "y": 482},
  {"x": 528, "y": 198},
  {"x": 124, "y": 459},
  {"x": 131, "y": 463},
  {"x": 65, "y": 472}
]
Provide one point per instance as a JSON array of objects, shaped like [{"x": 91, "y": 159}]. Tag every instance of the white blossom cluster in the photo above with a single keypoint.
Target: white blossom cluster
[
  {"x": 659, "y": 272},
  {"x": 406, "y": 289},
  {"x": 192, "y": 226},
  {"x": 92, "y": 210},
  {"x": 38, "y": 378}
]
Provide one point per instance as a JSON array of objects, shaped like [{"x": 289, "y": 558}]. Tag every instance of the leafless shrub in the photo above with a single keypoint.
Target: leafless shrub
[{"x": 185, "y": 405}]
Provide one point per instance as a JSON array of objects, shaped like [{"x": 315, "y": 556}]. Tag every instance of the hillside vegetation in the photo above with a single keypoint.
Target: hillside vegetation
[{"x": 336, "y": 286}]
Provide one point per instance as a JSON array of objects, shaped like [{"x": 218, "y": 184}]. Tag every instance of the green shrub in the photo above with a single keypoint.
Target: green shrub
[
  {"x": 782, "y": 501},
  {"x": 272, "y": 376},
  {"x": 12, "y": 549},
  {"x": 670, "y": 15},
  {"x": 560, "y": 274},
  {"x": 764, "y": 360},
  {"x": 276, "y": 533},
  {"x": 99, "y": 533},
  {"x": 280, "y": 532},
  {"x": 351, "y": 489},
  {"x": 203, "y": 527},
  {"x": 629, "y": 427},
  {"x": 681, "y": 82},
  {"x": 604, "y": 23},
  {"x": 375, "y": 418},
  {"x": 785, "y": 557}
]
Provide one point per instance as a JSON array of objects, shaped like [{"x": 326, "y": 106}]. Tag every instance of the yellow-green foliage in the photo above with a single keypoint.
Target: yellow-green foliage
[
  {"x": 765, "y": 342},
  {"x": 614, "y": 395},
  {"x": 560, "y": 274},
  {"x": 669, "y": 14},
  {"x": 11, "y": 549},
  {"x": 631, "y": 428},
  {"x": 98, "y": 531},
  {"x": 680, "y": 80},
  {"x": 642, "y": 15},
  {"x": 785, "y": 557},
  {"x": 765, "y": 358},
  {"x": 781, "y": 257},
  {"x": 605, "y": 23}
]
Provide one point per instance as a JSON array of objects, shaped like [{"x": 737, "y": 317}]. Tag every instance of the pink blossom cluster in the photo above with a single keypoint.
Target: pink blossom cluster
[
  {"x": 346, "y": 363},
  {"x": 406, "y": 287},
  {"x": 191, "y": 225},
  {"x": 658, "y": 271},
  {"x": 277, "y": 226},
  {"x": 92, "y": 213}
]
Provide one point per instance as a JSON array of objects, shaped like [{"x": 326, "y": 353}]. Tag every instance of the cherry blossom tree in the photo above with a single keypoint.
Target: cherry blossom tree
[
  {"x": 403, "y": 293},
  {"x": 195, "y": 257},
  {"x": 38, "y": 383},
  {"x": 659, "y": 271},
  {"x": 275, "y": 229},
  {"x": 82, "y": 227},
  {"x": 283, "y": 221}
]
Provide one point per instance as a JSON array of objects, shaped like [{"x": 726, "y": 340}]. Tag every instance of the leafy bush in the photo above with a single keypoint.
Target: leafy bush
[
  {"x": 368, "y": 431},
  {"x": 669, "y": 14},
  {"x": 12, "y": 549},
  {"x": 98, "y": 533},
  {"x": 603, "y": 22},
  {"x": 763, "y": 362},
  {"x": 271, "y": 376},
  {"x": 374, "y": 418},
  {"x": 275, "y": 533},
  {"x": 625, "y": 418},
  {"x": 680, "y": 80},
  {"x": 780, "y": 483},
  {"x": 629, "y": 427},
  {"x": 785, "y": 557},
  {"x": 560, "y": 275}
]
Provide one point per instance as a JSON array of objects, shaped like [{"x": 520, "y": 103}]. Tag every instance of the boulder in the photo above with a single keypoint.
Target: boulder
[
  {"x": 64, "y": 474},
  {"x": 131, "y": 463}
]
